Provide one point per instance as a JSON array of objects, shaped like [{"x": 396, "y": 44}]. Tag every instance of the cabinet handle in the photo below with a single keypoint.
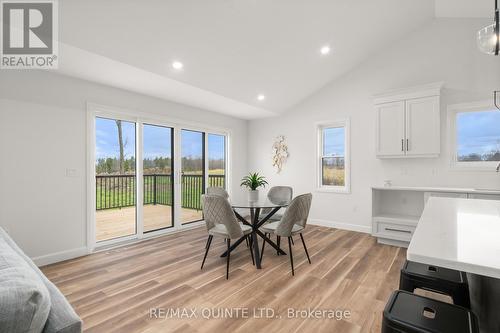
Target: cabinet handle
[
  {"x": 398, "y": 230},
  {"x": 402, "y": 145},
  {"x": 407, "y": 144}
]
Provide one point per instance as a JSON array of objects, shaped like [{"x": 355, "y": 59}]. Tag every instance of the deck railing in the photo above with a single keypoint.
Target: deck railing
[{"x": 117, "y": 191}]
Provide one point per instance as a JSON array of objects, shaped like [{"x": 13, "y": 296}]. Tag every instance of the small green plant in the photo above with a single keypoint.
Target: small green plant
[{"x": 253, "y": 181}]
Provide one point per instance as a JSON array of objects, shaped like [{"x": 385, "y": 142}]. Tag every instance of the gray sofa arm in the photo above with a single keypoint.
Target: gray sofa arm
[{"x": 62, "y": 318}]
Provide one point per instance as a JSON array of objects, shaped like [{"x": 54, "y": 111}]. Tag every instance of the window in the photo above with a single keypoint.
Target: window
[
  {"x": 475, "y": 131},
  {"x": 216, "y": 160},
  {"x": 158, "y": 176},
  {"x": 333, "y": 156}
]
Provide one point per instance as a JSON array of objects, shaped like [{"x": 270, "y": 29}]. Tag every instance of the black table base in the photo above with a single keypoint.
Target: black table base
[{"x": 255, "y": 224}]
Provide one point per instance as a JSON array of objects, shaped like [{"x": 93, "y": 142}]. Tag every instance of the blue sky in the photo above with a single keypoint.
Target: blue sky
[
  {"x": 333, "y": 141},
  {"x": 107, "y": 138},
  {"x": 478, "y": 132},
  {"x": 156, "y": 141},
  {"x": 216, "y": 146}
]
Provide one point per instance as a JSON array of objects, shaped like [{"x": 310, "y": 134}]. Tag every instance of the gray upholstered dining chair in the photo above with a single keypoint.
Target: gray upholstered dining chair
[
  {"x": 221, "y": 221},
  {"x": 219, "y": 191},
  {"x": 293, "y": 222},
  {"x": 212, "y": 190},
  {"x": 278, "y": 194}
]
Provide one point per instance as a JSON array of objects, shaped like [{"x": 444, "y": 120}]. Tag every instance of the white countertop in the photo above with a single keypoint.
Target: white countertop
[
  {"x": 460, "y": 234},
  {"x": 438, "y": 189}
]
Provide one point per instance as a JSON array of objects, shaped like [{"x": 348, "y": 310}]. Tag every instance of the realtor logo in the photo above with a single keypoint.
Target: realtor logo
[{"x": 29, "y": 34}]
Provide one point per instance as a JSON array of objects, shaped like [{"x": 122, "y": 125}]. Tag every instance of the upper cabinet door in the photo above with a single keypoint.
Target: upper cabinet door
[
  {"x": 422, "y": 127},
  {"x": 390, "y": 124}
]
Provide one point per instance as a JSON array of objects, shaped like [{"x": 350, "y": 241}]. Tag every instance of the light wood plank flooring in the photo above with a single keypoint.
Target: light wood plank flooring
[{"x": 113, "y": 291}]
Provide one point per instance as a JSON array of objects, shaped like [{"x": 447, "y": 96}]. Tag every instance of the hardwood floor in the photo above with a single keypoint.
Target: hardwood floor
[{"x": 114, "y": 291}]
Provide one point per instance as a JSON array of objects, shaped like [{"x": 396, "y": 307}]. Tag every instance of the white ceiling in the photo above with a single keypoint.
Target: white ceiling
[{"x": 232, "y": 50}]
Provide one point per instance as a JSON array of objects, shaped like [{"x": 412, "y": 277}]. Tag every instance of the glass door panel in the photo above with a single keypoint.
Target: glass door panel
[
  {"x": 216, "y": 160},
  {"x": 192, "y": 175},
  {"x": 158, "y": 188},
  {"x": 115, "y": 179}
]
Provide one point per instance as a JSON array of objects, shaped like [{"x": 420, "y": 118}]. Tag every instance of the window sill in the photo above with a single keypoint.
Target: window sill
[
  {"x": 474, "y": 167},
  {"x": 339, "y": 190}
]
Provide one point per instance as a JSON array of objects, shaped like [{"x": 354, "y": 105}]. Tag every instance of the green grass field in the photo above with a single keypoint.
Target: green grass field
[{"x": 334, "y": 177}]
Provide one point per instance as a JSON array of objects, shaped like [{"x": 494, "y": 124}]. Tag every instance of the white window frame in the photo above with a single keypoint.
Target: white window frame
[
  {"x": 345, "y": 123},
  {"x": 140, "y": 118},
  {"x": 452, "y": 112}
]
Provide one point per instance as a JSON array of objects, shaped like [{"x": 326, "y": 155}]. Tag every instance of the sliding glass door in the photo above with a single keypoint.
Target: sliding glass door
[
  {"x": 149, "y": 176},
  {"x": 216, "y": 160},
  {"x": 115, "y": 179},
  {"x": 158, "y": 175},
  {"x": 192, "y": 175}
]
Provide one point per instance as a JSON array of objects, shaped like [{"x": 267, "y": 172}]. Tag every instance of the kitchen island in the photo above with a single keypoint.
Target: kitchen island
[{"x": 464, "y": 234}]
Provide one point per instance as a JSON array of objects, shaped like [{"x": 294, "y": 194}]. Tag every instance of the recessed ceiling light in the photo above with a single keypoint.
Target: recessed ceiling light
[
  {"x": 177, "y": 65},
  {"x": 261, "y": 97},
  {"x": 325, "y": 50}
]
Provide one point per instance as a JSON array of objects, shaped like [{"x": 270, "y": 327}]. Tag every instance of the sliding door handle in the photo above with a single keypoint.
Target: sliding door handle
[
  {"x": 402, "y": 145},
  {"x": 407, "y": 144}
]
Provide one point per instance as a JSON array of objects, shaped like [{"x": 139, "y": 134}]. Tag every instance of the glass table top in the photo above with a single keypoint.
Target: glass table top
[{"x": 261, "y": 203}]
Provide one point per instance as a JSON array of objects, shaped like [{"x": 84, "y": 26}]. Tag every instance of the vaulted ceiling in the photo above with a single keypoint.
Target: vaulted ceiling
[{"x": 232, "y": 50}]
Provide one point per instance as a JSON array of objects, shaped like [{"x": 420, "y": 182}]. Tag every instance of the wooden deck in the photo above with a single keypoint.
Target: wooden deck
[
  {"x": 114, "y": 290},
  {"x": 114, "y": 223}
]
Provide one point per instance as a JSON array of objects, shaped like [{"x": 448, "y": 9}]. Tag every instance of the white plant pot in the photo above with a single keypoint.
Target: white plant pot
[{"x": 253, "y": 195}]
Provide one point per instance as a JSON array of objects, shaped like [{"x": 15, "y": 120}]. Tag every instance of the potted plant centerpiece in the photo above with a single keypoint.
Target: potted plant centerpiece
[{"x": 253, "y": 181}]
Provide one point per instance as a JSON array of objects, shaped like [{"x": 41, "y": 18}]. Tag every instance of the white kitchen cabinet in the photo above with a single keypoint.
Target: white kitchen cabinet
[
  {"x": 423, "y": 127},
  {"x": 391, "y": 129},
  {"x": 394, "y": 230},
  {"x": 408, "y": 123}
]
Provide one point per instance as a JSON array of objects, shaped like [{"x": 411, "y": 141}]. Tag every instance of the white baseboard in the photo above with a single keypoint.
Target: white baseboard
[
  {"x": 340, "y": 225},
  {"x": 60, "y": 256}
]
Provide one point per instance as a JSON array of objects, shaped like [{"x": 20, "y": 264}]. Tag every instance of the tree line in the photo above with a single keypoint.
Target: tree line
[
  {"x": 157, "y": 165},
  {"x": 491, "y": 156}
]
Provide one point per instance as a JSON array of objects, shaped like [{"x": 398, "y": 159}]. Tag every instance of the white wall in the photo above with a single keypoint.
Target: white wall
[
  {"x": 43, "y": 133},
  {"x": 445, "y": 51}
]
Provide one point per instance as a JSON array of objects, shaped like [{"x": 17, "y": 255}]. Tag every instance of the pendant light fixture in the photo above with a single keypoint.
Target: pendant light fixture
[{"x": 488, "y": 38}]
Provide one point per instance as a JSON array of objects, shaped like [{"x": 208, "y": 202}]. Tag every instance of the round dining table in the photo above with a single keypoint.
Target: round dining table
[{"x": 268, "y": 208}]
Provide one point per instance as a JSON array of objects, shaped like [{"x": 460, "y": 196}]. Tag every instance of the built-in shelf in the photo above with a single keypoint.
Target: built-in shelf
[{"x": 396, "y": 210}]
